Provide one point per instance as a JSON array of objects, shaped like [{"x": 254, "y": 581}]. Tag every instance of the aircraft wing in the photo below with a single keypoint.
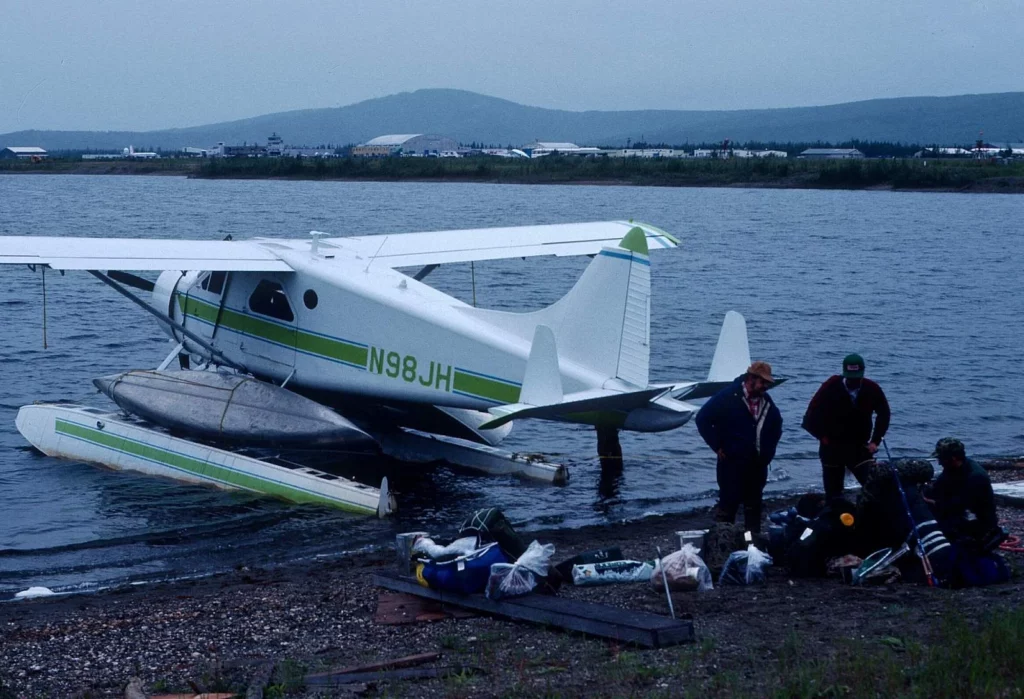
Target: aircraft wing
[
  {"x": 440, "y": 247},
  {"x": 396, "y": 250},
  {"x": 140, "y": 254}
]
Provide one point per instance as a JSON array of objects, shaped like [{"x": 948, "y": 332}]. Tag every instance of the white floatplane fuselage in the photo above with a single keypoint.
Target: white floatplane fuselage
[{"x": 335, "y": 320}]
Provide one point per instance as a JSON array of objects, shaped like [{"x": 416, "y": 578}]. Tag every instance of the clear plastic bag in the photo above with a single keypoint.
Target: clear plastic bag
[
  {"x": 459, "y": 547},
  {"x": 519, "y": 578},
  {"x": 745, "y": 567},
  {"x": 684, "y": 569}
]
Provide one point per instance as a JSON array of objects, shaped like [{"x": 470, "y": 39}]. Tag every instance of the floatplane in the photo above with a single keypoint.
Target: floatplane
[{"x": 327, "y": 343}]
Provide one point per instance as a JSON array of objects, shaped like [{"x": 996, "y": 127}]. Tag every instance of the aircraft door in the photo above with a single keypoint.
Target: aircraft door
[
  {"x": 268, "y": 329},
  {"x": 203, "y": 295}
]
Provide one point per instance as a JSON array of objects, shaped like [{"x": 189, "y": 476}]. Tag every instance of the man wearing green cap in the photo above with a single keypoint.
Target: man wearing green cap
[
  {"x": 839, "y": 416},
  {"x": 961, "y": 497}
]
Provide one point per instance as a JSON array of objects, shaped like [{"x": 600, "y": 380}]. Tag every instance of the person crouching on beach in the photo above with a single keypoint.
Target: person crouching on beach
[{"x": 742, "y": 426}]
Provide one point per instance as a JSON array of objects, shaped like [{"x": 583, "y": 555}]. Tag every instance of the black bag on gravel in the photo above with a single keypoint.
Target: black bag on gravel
[{"x": 491, "y": 526}]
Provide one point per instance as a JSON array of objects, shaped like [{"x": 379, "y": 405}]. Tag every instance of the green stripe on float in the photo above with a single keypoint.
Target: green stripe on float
[{"x": 201, "y": 468}]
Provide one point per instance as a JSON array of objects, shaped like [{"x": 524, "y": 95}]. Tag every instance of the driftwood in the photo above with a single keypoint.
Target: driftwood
[{"x": 416, "y": 673}]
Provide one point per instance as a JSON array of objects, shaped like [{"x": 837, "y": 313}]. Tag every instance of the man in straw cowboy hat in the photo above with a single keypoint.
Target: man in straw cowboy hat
[
  {"x": 839, "y": 417},
  {"x": 742, "y": 426}
]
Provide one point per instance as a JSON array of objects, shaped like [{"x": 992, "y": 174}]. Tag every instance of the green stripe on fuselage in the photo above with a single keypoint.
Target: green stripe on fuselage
[
  {"x": 484, "y": 387},
  {"x": 204, "y": 469},
  {"x": 331, "y": 348},
  {"x": 327, "y": 347}
]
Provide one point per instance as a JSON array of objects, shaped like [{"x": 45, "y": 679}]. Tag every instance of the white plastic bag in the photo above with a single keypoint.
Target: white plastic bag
[
  {"x": 757, "y": 561},
  {"x": 519, "y": 578},
  {"x": 745, "y": 567},
  {"x": 459, "y": 547},
  {"x": 684, "y": 570}
]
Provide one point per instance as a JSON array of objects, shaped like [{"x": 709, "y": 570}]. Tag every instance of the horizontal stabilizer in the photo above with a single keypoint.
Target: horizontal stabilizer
[{"x": 582, "y": 402}]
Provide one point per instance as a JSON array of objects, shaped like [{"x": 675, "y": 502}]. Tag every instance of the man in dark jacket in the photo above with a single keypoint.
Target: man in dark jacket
[
  {"x": 963, "y": 487},
  {"x": 839, "y": 417},
  {"x": 742, "y": 426}
]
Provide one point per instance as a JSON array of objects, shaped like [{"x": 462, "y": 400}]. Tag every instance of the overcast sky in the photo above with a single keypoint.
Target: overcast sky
[{"x": 136, "y": 65}]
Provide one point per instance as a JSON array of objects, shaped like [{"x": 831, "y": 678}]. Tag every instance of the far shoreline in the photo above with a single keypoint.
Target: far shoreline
[{"x": 906, "y": 175}]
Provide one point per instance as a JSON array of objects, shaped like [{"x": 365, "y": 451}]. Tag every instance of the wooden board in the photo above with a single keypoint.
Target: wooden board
[
  {"x": 640, "y": 628},
  {"x": 395, "y": 608}
]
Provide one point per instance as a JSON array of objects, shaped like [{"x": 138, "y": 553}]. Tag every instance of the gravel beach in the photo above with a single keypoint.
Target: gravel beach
[{"x": 259, "y": 632}]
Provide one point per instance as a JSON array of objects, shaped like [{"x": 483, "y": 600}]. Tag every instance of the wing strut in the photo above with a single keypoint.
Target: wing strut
[
  {"x": 427, "y": 269},
  {"x": 214, "y": 352}
]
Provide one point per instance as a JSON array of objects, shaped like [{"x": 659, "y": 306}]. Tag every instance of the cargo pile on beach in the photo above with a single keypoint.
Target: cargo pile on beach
[{"x": 324, "y": 629}]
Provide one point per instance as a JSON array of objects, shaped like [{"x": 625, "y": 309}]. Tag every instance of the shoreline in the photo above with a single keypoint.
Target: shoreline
[
  {"x": 867, "y": 175},
  {"x": 219, "y": 633}
]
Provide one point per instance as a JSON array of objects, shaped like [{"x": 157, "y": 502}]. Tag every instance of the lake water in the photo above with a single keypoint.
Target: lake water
[{"x": 927, "y": 287}]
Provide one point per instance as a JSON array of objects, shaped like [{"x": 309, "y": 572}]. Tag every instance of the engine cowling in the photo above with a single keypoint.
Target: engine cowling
[{"x": 163, "y": 300}]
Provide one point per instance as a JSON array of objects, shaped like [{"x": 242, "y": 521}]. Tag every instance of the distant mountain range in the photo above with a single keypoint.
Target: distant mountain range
[{"x": 471, "y": 117}]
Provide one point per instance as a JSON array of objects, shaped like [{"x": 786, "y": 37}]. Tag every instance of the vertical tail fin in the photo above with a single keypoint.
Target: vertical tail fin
[
  {"x": 603, "y": 323},
  {"x": 732, "y": 354}
]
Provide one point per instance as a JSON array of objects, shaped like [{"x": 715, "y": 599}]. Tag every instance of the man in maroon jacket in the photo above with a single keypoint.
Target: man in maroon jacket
[{"x": 839, "y": 417}]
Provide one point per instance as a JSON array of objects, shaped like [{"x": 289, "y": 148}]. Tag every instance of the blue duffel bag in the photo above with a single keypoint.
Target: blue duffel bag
[{"x": 465, "y": 574}]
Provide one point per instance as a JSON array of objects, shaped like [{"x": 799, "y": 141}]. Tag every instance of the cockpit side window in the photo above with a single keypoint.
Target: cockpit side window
[
  {"x": 214, "y": 282},
  {"x": 269, "y": 299},
  {"x": 217, "y": 282}
]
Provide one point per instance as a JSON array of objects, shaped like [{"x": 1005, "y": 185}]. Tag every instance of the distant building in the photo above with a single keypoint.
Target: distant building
[
  {"x": 500, "y": 152},
  {"x": 23, "y": 153},
  {"x": 291, "y": 152},
  {"x": 830, "y": 154},
  {"x": 409, "y": 145},
  {"x": 275, "y": 145},
  {"x": 738, "y": 153},
  {"x": 542, "y": 148},
  {"x": 243, "y": 151},
  {"x": 646, "y": 153}
]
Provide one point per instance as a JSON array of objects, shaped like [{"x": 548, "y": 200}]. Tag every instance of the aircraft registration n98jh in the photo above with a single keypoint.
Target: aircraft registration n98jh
[{"x": 334, "y": 319}]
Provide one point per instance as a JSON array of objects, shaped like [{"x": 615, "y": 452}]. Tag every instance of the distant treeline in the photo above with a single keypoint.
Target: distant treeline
[
  {"x": 896, "y": 173},
  {"x": 764, "y": 172}
]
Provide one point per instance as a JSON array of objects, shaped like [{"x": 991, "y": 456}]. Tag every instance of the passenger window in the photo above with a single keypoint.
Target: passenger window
[{"x": 269, "y": 299}]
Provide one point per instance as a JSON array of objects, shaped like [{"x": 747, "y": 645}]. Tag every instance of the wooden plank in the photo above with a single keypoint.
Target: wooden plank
[
  {"x": 641, "y": 628},
  {"x": 407, "y": 661},
  {"x": 395, "y": 608}
]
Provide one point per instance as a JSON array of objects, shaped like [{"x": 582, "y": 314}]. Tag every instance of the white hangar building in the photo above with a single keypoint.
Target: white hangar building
[{"x": 415, "y": 144}]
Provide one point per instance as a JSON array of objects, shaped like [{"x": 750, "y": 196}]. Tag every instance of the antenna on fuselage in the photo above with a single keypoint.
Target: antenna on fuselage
[
  {"x": 375, "y": 255},
  {"x": 314, "y": 244}
]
